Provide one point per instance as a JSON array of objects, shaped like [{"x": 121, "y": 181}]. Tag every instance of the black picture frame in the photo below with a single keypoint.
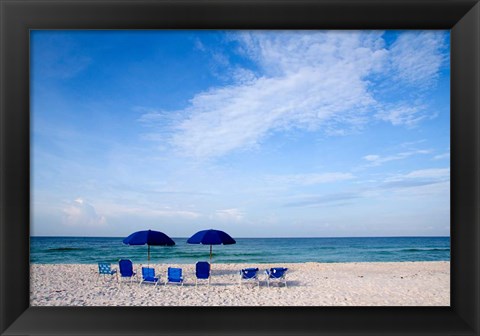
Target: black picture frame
[{"x": 17, "y": 17}]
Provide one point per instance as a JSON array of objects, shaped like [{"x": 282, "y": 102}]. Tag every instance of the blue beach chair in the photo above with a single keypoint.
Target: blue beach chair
[
  {"x": 202, "y": 272},
  {"x": 148, "y": 276},
  {"x": 174, "y": 275},
  {"x": 126, "y": 269},
  {"x": 276, "y": 274},
  {"x": 249, "y": 275},
  {"x": 105, "y": 269}
]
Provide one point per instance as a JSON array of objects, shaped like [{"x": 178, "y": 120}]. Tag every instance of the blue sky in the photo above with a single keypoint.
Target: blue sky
[{"x": 258, "y": 133}]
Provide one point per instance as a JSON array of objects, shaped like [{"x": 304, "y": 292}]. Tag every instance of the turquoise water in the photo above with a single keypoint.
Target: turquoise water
[{"x": 89, "y": 250}]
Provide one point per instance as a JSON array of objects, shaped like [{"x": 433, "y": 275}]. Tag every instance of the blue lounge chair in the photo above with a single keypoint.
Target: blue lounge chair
[
  {"x": 105, "y": 269},
  {"x": 202, "y": 272},
  {"x": 174, "y": 275},
  {"x": 276, "y": 274},
  {"x": 249, "y": 275},
  {"x": 126, "y": 269},
  {"x": 148, "y": 276}
]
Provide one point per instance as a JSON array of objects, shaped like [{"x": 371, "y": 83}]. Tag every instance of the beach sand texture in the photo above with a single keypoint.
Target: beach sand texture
[{"x": 309, "y": 284}]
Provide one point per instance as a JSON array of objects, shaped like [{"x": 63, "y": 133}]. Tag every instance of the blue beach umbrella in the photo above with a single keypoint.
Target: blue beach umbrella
[
  {"x": 211, "y": 237},
  {"x": 149, "y": 237}
]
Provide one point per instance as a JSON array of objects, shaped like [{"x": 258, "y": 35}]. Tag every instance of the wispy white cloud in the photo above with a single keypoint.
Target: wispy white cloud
[
  {"x": 309, "y": 179},
  {"x": 376, "y": 160},
  {"x": 433, "y": 173},
  {"x": 82, "y": 213},
  {"x": 229, "y": 215},
  {"x": 221, "y": 66},
  {"x": 243, "y": 76},
  {"x": 313, "y": 81},
  {"x": 442, "y": 156},
  {"x": 418, "y": 178},
  {"x": 404, "y": 114},
  {"x": 416, "y": 57},
  {"x": 306, "y": 81},
  {"x": 157, "y": 118},
  {"x": 409, "y": 144},
  {"x": 434, "y": 182},
  {"x": 241, "y": 117},
  {"x": 332, "y": 199},
  {"x": 289, "y": 52},
  {"x": 198, "y": 45},
  {"x": 115, "y": 210}
]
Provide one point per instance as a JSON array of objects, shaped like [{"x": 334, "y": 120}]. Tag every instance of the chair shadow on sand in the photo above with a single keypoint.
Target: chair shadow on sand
[
  {"x": 220, "y": 272},
  {"x": 263, "y": 283},
  {"x": 234, "y": 279}
]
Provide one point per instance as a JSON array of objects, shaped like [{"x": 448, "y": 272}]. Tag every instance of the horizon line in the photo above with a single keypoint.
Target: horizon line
[{"x": 433, "y": 236}]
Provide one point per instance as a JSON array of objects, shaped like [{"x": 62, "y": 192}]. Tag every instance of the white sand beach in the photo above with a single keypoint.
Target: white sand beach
[{"x": 309, "y": 284}]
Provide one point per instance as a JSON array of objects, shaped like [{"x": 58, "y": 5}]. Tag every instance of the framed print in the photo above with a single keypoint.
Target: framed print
[
  {"x": 290, "y": 158},
  {"x": 116, "y": 177}
]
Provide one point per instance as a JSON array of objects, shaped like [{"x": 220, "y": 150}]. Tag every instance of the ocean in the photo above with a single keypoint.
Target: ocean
[{"x": 91, "y": 250}]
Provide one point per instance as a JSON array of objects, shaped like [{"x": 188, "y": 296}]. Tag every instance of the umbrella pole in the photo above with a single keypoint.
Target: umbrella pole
[
  {"x": 210, "y": 254},
  {"x": 148, "y": 257}
]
